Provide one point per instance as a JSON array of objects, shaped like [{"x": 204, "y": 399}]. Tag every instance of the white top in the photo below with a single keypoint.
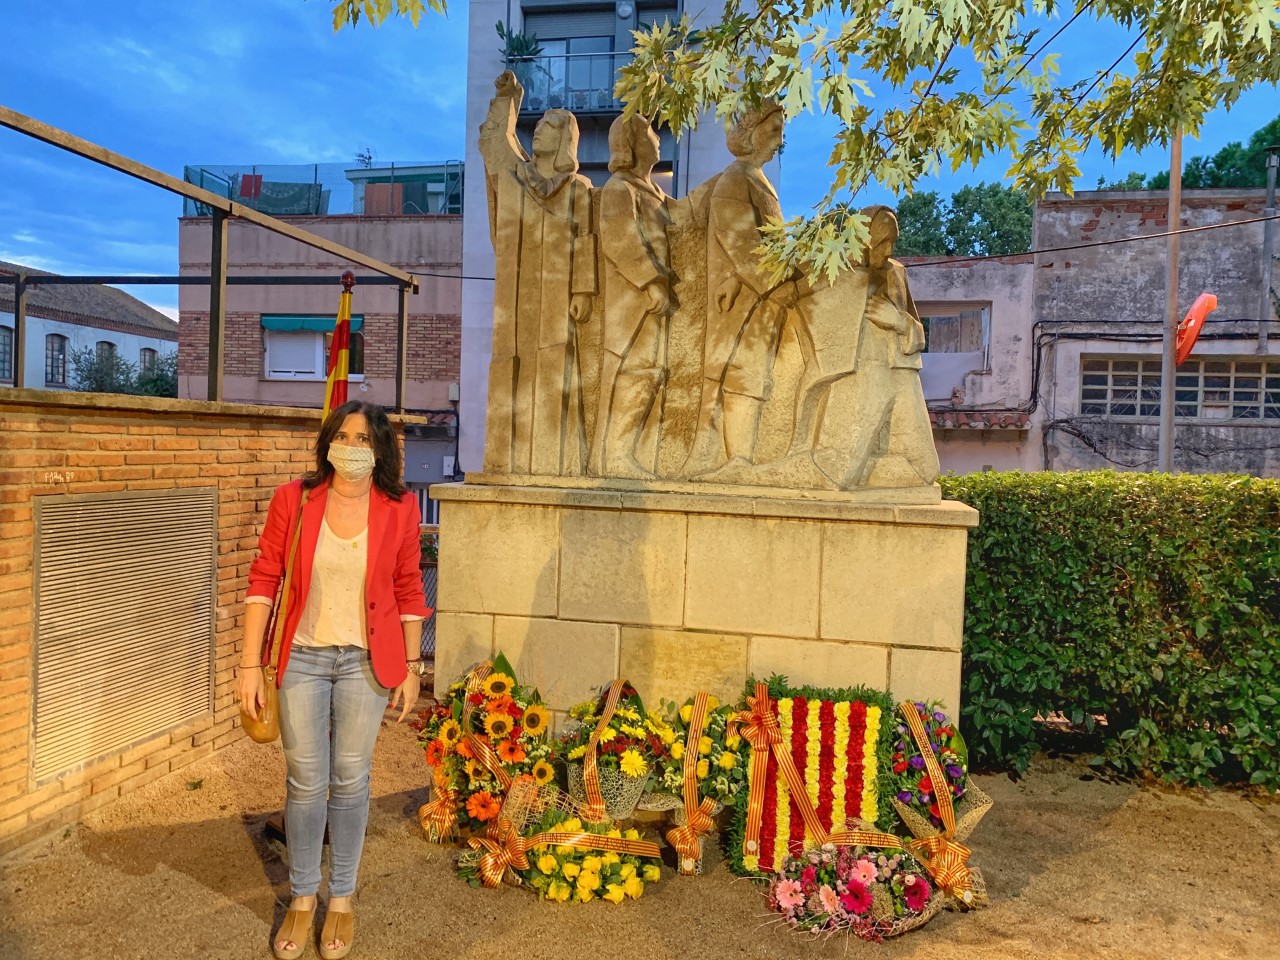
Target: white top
[{"x": 334, "y": 613}]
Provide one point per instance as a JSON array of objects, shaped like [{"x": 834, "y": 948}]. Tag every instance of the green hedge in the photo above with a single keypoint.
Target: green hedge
[{"x": 1150, "y": 600}]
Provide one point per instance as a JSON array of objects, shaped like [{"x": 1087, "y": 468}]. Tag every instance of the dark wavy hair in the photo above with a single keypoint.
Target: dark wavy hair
[{"x": 387, "y": 467}]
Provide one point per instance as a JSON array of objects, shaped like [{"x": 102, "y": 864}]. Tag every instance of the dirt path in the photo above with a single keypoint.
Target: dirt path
[{"x": 1075, "y": 869}]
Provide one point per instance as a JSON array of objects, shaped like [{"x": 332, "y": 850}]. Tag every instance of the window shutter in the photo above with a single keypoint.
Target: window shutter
[
  {"x": 124, "y": 620},
  {"x": 294, "y": 354}
]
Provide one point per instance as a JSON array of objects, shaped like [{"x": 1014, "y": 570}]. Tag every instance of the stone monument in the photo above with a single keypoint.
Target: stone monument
[{"x": 693, "y": 472}]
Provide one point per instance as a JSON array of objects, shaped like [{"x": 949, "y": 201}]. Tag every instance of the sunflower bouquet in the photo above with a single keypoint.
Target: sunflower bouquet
[
  {"x": 721, "y": 769},
  {"x": 488, "y": 730},
  {"x": 567, "y": 874},
  {"x": 629, "y": 742}
]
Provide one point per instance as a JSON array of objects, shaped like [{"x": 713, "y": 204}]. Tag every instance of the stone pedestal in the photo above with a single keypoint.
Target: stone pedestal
[{"x": 686, "y": 592}]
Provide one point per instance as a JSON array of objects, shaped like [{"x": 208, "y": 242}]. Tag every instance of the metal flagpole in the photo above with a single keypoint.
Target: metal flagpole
[{"x": 1168, "y": 367}]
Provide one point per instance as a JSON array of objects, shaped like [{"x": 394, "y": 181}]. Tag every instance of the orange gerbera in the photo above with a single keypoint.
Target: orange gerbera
[
  {"x": 510, "y": 751},
  {"x": 435, "y": 753},
  {"x": 483, "y": 806},
  {"x": 464, "y": 749}
]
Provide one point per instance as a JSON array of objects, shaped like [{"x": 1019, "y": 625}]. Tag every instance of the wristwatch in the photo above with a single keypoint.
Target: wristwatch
[{"x": 418, "y": 666}]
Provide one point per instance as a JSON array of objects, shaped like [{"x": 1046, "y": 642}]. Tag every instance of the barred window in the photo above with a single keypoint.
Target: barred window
[
  {"x": 1217, "y": 389},
  {"x": 55, "y": 360},
  {"x": 6, "y": 353},
  {"x": 147, "y": 359}
]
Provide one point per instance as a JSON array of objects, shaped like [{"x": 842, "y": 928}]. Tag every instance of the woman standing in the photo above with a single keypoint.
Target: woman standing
[{"x": 352, "y": 637}]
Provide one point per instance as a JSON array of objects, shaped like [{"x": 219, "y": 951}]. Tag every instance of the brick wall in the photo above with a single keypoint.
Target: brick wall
[{"x": 61, "y": 443}]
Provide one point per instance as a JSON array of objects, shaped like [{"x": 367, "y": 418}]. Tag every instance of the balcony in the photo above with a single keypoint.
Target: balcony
[
  {"x": 581, "y": 82},
  {"x": 370, "y": 189}
]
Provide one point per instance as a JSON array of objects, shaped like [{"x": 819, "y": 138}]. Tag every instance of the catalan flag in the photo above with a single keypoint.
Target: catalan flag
[{"x": 335, "y": 390}]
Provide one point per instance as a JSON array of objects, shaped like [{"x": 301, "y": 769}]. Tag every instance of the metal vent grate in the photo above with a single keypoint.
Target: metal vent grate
[{"x": 125, "y": 595}]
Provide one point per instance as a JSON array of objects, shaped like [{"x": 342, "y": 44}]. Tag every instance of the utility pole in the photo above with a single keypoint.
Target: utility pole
[
  {"x": 1168, "y": 368},
  {"x": 1268, "y": 248}
]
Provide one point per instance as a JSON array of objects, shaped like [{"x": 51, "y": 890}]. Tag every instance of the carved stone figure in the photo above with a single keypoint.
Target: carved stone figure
[
  {"x": 636, "y": 275},
  {"x": 745, "y": 311},
  {"x": 862, "y": 409},
  {"x": 540, "y": 224}
]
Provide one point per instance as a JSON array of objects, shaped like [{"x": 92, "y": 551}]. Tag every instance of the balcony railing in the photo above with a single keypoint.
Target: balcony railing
[{"x": 581, "y": 82}]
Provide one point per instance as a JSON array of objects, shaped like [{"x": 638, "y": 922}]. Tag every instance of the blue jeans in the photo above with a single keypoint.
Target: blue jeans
[{"x": 330, "y": 709}]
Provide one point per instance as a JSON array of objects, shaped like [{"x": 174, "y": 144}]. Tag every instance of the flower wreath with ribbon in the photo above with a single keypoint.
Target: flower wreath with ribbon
[{"x": 944, "y": 858}]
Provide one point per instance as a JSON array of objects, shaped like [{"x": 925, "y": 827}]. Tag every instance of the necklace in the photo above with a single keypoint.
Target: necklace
[{"x": 344, "y": 496}]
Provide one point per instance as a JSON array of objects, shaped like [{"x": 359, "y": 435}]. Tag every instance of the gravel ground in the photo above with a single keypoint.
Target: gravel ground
[{"x": 1075, "y": 868}]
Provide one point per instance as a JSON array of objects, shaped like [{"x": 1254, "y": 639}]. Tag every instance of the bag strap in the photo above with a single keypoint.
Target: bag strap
[{"x": 275, "y": 630}]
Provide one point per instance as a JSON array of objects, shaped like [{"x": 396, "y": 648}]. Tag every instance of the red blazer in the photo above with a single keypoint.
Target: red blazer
[{"x": 393, "y": 583}]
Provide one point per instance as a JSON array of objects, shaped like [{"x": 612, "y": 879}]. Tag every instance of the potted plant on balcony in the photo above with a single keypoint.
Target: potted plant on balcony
[
  {"x": 519, "y": 51},
  {"x": 604, "y": 98},
  {"x": 580, "y": 99}
]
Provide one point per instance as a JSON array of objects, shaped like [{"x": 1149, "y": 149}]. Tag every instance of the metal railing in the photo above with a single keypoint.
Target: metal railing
[
  {"x": 318, "y": 189},
  {"x": 581, "y": 82}
]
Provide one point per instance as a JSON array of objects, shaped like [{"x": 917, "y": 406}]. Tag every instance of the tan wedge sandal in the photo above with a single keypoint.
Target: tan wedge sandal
[
  {"x": 296, "y": 929},
  {"x": 337, "y": 926}
]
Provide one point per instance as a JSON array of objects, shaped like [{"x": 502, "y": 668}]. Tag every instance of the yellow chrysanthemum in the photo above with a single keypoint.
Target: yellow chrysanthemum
[
  {"x": 615, "y": 893},
  {"x": 607, "y": 734},
  {"x": 542, "y": 772},
  {"x": 498, "y": 725},
  {"x": 704, "y": 746},
  {"x": 703, "y": 769},
  {"x": 450, "y": 731},
  {"x": 633, "y": 888},
  {"x": 677, "y": 751},
  {"x": 498, "y": 684},
  {"x": 570, "y": 870},
  {"x": 548, "y": 864},
  {"x": 577, "y": 753},
  {"x": 651, "y": 873},
  {"x": 631, "y": 730},
  {"x": 626, "y": 713},
  {"x": 536, "y": 719},
  {"x": 728, "y": 761},
  {"x": 632, "y": 764}
]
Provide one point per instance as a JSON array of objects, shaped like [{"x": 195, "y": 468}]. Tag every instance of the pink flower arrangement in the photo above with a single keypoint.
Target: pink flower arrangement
[{"x": 863, "y": 891}]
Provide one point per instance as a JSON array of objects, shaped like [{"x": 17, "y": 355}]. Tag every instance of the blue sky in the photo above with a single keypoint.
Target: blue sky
[{"x": 267, "y": 81}]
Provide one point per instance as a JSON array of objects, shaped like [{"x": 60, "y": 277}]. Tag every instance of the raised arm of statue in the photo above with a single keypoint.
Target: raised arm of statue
[{"x": 499, "y": 146}]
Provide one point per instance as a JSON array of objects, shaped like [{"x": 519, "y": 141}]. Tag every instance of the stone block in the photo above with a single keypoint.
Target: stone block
[
  {"x": 462, "y": 641},
  {"x": 926, "y": 675},
  {"x": 496, "y": 558},
  {"x": 566, "y": 660},
  {"x": 675, "y": 665},
  {"x": 753, "y": 575},
  {"x": 893, "y": 585},
  {"x": 819, "y": 663},
  {"x": 622, "y": 566}
]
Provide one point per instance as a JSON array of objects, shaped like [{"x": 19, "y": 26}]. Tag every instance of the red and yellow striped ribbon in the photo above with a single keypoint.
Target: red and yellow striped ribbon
[
  {"x": 685, "y": 839},
  {"x": 439, "y": 817},
  {"x": 504, "y": 848},
  {"x": 479, "y": 746},
  {"x": 594, "y": 810}
]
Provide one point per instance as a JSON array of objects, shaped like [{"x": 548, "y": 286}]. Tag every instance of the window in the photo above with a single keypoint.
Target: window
[
  {"x": 294, "y": 355},
  {"x": 147, "y": 360},
  {"x": 955, "y": 331},
  {"x": 6, "y": 353},
  {"x": 1223, "y": 389},
  {"x": 55, "y": 360},
  {"x": 355, "y": 355},
  {"x": 106, "y": 350}
]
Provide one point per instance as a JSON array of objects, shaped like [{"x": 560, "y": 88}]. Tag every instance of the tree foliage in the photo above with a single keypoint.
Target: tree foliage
[
  {"x": 983, "y": 220},
  {"x": 1237, "y": 165},
  {"x": 107, "y": 372},
  {"x": 968, "y": 79}
]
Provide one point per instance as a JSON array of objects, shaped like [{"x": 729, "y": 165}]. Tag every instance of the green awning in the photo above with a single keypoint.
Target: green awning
[{"x": 303, "y": 321}]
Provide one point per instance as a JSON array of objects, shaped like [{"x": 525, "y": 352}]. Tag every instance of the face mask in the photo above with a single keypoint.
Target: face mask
[{"x": 351, "y": 463}]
